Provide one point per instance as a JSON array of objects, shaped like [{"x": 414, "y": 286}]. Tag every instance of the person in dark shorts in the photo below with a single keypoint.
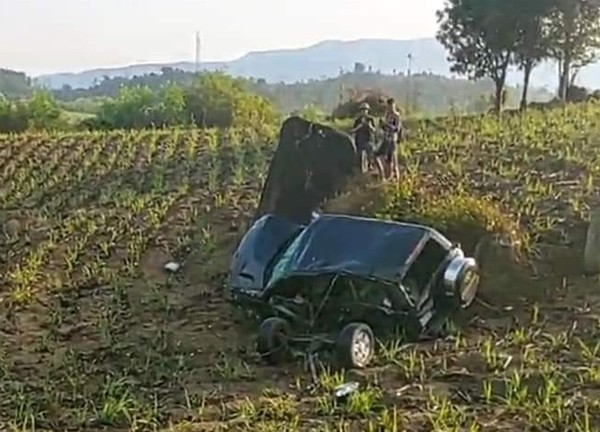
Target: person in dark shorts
[
  {"x": 391, "y": 126},
  {"x": 364, "y": 131}
]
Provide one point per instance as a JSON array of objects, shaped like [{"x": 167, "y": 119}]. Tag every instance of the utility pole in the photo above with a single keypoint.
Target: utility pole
[
  {"x": 198, "y": 52},
  {"x": 408, "y": 82}
]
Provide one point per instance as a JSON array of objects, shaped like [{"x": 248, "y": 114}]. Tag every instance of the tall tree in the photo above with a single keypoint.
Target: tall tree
[
  {"x": 480, "y": 37},
  {"x": 532, "y": 43},
  {"x": 574, "y": 31}
]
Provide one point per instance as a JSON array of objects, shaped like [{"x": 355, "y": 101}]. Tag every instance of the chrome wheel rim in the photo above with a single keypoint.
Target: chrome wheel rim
[{"x": 362, "y": 347}]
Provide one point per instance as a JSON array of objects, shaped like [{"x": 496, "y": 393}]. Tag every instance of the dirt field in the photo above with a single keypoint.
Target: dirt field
[{"x": 95, "y": 335}]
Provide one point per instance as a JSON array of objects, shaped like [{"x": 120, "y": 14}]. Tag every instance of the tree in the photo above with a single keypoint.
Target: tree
[
  {"x": 132, "y": 108},
  {"x": 214, "y": 100},
  {"x": 218, "y": 100},
  {"x": 172, "y": 105},
  {"x": 14, "y": 117},
  {"x": 14, "y": 84},
  {"x": 44, "y": 112},
  {"x": 574, "y": 31},
  {"x": 532, "y": 43},
  {"x": 480, "y": 37}
]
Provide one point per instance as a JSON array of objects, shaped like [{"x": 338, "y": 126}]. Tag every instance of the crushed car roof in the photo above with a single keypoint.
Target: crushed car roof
[{"x": 340, "y": 244}]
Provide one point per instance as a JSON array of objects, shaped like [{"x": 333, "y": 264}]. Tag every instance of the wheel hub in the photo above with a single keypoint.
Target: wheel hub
[{"x": 362, "y": 347}]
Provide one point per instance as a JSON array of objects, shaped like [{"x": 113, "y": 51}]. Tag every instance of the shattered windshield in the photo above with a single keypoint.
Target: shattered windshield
[{"x": 282, "y": 264}]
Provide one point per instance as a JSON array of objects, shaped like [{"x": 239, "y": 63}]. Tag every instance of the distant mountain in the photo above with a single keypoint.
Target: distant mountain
[{"x": 325, "y": 59}]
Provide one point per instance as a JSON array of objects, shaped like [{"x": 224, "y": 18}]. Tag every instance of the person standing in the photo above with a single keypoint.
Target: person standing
[
  {"x": 364, "y": 130},
  {"x": 391, "y": 126}
]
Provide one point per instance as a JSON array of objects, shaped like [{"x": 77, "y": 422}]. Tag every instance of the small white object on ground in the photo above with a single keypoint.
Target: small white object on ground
[
  {"x": 346, "y": 389},
  {"x": 172, "y": 266}
]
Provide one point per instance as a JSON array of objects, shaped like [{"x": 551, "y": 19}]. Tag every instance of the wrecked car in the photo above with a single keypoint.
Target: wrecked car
[
  {"x": 333, "y": 283},
  {"x": 344, "y": 279}
]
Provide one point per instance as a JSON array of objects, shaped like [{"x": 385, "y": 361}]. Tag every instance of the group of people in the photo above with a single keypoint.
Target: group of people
[{"x": 384, "y": 157}]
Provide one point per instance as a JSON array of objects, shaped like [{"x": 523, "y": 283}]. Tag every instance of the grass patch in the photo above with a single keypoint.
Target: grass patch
[{"x": 95, "y": 335}]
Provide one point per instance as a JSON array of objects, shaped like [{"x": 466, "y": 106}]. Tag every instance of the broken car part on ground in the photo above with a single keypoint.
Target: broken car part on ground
[{"x": 332, "y": 283}]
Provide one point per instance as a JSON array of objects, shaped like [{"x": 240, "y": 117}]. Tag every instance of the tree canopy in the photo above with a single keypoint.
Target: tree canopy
[
  {"x": 484, "y": 37},
  {"x": 213, "y": 100},
  {"x": 14, "y": 85},
  {"x": 480, "y": 38}
]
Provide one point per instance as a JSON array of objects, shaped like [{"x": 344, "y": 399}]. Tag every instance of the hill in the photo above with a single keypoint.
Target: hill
[
  {"x": 323, "y": 60},
  {"x": 95, "y": 336}
]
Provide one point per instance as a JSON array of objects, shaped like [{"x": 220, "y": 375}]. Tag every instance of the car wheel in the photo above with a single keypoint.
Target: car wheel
[
  {"x": 462, "y": 277},
  {"x": 273, "y": 338},
  {"x": 355, "y": 347}
]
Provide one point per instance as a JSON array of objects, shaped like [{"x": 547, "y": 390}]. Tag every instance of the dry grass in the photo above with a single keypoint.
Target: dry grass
[{"x": 94, "y": 335}]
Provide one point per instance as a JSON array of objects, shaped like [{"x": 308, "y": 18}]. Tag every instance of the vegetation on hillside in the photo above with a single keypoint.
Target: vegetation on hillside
[
  {"x": 96, "y": 335},
  {"x": 14, "y": 84},
  {"x": 212, "y": 100},
  {"x": 40, "y": 112},
  {"x": 425, "y": 92}
]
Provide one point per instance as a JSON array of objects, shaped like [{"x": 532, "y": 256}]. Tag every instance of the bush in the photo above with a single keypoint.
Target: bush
[
  {"x": 41, "y": 112},
  {"x": 217, "y": 100},
  {"x": 214, "y": 100},
  {"x": 44, "y": 112},
  {"x": 140, "y": 107},
  {"x": 453, "y": 212},
  {"x": 14, "y": 117}
]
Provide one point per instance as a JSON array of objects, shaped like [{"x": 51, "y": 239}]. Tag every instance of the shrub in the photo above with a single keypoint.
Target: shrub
[{"x": 454, "y": 212}]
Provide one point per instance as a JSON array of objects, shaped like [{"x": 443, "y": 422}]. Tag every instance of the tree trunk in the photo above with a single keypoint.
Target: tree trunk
[
  {"x": 564, "y": 77},
  {"x": 526, "y": 77},
  {"x": 570, "y": 15},
  {"x": 498, "y": 95}
]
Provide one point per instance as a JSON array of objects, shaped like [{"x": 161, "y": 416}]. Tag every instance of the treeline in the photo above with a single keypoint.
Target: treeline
[
  {"x": 14, "y": 84},
  {"x": 211, "y": 100},
  {"x": 40, "y": 112},
  {"x": 428, "y": 93},
  {"x": 485, "y": 38}
]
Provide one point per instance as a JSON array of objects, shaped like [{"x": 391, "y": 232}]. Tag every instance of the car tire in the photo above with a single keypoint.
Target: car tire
[
  {"x": 355, "y": 346},
  {"x": 273, "y": 339}
]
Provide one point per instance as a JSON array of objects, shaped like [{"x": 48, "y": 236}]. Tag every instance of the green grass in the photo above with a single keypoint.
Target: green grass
[{"x": 95, "y": 336}]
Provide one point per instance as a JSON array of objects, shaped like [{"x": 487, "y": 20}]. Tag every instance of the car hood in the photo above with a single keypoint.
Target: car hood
[{"x": 257, "y": 249}]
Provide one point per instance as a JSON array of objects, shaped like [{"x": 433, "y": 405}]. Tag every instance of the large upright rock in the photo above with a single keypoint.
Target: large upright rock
[
  {"x": 311, "y": 164},
  {"x": 591, "y": 254}
]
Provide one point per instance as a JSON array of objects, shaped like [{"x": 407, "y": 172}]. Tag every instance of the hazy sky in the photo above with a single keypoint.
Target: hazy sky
[{"x": 41, "y": 36}]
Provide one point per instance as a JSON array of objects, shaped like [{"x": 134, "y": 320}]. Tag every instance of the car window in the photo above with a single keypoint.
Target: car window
[{"x": 282, "y": 265}]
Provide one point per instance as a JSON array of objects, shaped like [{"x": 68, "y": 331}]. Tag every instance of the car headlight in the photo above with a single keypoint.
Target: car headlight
[{"x": 462, "y": 277}]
